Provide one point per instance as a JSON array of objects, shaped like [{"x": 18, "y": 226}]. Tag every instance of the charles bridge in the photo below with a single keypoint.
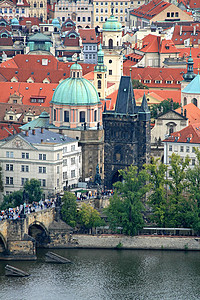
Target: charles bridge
[{"x": 20, "y": 237}]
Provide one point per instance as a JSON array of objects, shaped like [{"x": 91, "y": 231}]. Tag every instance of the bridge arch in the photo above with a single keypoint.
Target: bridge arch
[
  {"x": 38, "y": 231},
  {"x": 3, "y": 246}
]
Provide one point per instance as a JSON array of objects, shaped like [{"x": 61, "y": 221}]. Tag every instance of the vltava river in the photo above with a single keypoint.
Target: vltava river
[{"x": 105, "y": 275}]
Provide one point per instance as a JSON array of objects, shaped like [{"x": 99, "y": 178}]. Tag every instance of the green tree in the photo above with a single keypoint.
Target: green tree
[
  {"x": 138, "y": 85},
  {"x": 89, "y": 217},
  {"x": 163, "y": 106},
  {"x": 126, "y": 208},
  {"x": 180, "y": 208},
  {"x": 69, "y": 209},
  {"x": 193, "y": 177},
  {"x": 12, "y": 200},
  {"x": 33, "y": 190},
  {"x": 157, "y": 198}
]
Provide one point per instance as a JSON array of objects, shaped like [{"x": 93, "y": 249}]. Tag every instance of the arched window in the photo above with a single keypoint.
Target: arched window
[
  {"x": 110, "y": 44},
  {"x": 171, "y": 129},
  {"x": 95, "y": 116},
  {"x": 184, "y": 101},
  {"x": 194, "y": 101},
  {"x": 99, "y": 84},
  {"x": 54, "y": 115},
  {"x": 82, "y": 116}
]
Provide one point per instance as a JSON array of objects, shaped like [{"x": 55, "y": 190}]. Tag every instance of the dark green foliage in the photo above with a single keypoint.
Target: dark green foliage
[
  {"x": 89, "y": 217},
  {"x": 158, "y": 196},
  {"x": 163, "y": 107},
  {"x": 69, "y": 209},
  {"x": 126, "y": 207},
  {"x": 138, "y": 85},
  {"x": 33, "y": 190},
  {"x": 12, "y": 200}
]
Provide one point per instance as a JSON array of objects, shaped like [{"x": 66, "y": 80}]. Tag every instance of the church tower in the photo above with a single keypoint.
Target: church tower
[
  {"x": 112, "y": 47},
  {"x": 100, "y": 78},
  {"x": 127, "y": 133},
  {"x": 189, "y": 76}
]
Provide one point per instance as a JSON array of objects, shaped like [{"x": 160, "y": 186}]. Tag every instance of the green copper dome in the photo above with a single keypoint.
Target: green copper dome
[
  {"x": 76, "y": 66},
  {"x": 112, "y": 24},
  {"x": 75, "y": 91},
  {"x": 14, "y": 22},
  {"x": 193, "y": 87}
]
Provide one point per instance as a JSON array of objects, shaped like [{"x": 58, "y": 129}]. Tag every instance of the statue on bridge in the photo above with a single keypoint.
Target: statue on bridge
[{"x": 97, "y": 179}]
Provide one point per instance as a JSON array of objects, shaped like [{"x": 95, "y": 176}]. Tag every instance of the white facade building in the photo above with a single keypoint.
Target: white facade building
[{"x": 54, "y": 159}]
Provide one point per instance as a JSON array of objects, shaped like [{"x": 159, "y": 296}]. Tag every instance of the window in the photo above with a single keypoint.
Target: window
[
  {"x": 97, "y": 19},
  {"x": 58, "y": 156},
  {"x": 95, "y": 116},
  {"x": 58, "y": 169},
  {"x": 176, "y": 14},
  {"x": 110, "y": 44},
  {"x": 25, "y": 155},
  {"x": 83, "y": 19},
  {"x": 168, "y": 15},
  {"x": 101, "y": 10},
  {"x": 110, "y": 72},
  {"x": 41, "y": 4},
  {"x": 23, "y": 180},
  {"x": 99, "y": 84},
  {"x": 35, "y": 4},
  {"x": 42, "y": 170},
  {"x": 9, "y": 154},
  {"x": 73, "y": 148},
  {"x": 157, "y": 81},
  {"x": 182, "y": 148},
  {"x": 24, "y": 168},
  {"x": 187, "y": 149},
  {"x": 172, "y": 14},
  {"x": 5, "y": 10},
  {"x": 9, "y": 167},
  {"x": 82, "y": 116},
  {"x": 64, "y": 175},
  {"x": 193, "y": 149},
  {"x": 10, "y": 11},
  {"x": 193, "y": 161},
  {"x": 23, "y": 10},
  {"x": 78, "y": 19},
  {"x": 9, "y": 180},
  {"x": 101, "y": 19},
  {"x": 42, "y": 182},
  {"x": 42, "y": 157},
  {"x": 58, "y": 182},
  {"x": 54, "y": 115},
  {"x": 89, "y": 19},
  {"x": 170, "y": 147},
  {"x": 168, "y": 81},
  {"x": 73, "y": 161},
  {"x": 116, "y": 10},
  {"x": 73, "y": 174},
  {"x": 64, "y": 162}
]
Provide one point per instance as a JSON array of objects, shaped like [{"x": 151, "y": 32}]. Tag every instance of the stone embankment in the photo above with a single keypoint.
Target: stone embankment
[{"x": 136, "y": 242}]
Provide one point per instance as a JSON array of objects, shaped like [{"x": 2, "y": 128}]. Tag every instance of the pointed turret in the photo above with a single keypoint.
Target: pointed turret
[
  {"x": 189, "y": 76},
  {"x": 104, "y": 110},
  {"x": 100, "y": 61},
  {"x": 144, "y": 112},
  {"x": 125, "y": 103}
]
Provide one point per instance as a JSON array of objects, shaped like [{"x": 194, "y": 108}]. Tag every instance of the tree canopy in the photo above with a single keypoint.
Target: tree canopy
[
  {"x": 163, "y": 107},
  {"x": 69, "y": 209},
  {"x": 138, "y": 85}
]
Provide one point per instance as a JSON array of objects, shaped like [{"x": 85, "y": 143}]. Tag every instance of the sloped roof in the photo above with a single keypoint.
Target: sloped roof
[
  {"x": 8, "y": 129},
  {"x": 187, "y": 32},
  {"x": 167, "y": 46},
  {"x": 192, "y": 113},
  {"x": 193, "y": 87},
  {"x": 192, "y": 132},
  {"x": 150, "y": 10},
  {"x": 88, "y": 35},
  {"x": 39, "y": 37}
]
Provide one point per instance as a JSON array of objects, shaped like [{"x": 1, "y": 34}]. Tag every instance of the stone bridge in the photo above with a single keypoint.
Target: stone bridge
[{"x": 20, "y": 237}]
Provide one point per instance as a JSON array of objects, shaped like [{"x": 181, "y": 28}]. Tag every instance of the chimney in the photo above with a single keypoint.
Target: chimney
[
  {"x": 33, "y": 131},
  {"x": 42, "y": 130},
  {"x": 26, "y": 133},
  {"x": 181, "y": 30},
  {"x": 185, "y": 113},
  {"x": 194, "y": 31},
  {"x": 181, "y": 111},
  {"x": 42, "y": 141}
]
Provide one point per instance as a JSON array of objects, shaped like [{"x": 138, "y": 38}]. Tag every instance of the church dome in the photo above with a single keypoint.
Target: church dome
[
  {"x": 112, "y": 24},
  {"x": 193, "y": 87},
  {"x": 14, "y": 22},
  {"x": 56, "y": 22},
  {"x": 75, "y": 90}
]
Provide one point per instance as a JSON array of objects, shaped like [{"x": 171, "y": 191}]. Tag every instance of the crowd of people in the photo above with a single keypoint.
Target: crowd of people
[{"x": 17, "y": 212}]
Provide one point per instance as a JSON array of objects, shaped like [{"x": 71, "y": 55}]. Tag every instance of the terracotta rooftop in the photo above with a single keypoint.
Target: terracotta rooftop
[
  {"x": 192, "y": 113},
  {"x": 88, "y": 36},
  {"x": 189, "y": 135},
  {"x": 150, "y": 10}
]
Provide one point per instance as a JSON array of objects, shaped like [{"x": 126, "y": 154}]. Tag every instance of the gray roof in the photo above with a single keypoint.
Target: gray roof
[
  {"x": 41, "y": 121},
  {"x": 46, "y": 137},
  {"x": 39, "y": 37},
  {"x": 125, "y": 103}
]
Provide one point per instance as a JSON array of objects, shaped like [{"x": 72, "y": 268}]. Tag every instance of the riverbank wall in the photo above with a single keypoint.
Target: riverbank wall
[{"x": 136, "y": 242}]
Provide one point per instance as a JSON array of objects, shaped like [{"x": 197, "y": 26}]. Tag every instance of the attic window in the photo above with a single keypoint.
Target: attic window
[
  {"x": 11, "y": 87},
  {"x": 48, "y": 73},
  {"x": 64, "y": 74},
  {"x": 32, "y": 73},
  {"x": 53, "y": 89},
  {"x": 167, "y": 47},
  {"x": 38, "y": 60},
  {"x": 84, "y": 38},
  {"x": 40, "y": 88},
  {"x": 16, "y": 72},
  {"x": 26, "y": 88},
  {"x": 26, "y": 60},
  {"x": 68, "y": 66}
]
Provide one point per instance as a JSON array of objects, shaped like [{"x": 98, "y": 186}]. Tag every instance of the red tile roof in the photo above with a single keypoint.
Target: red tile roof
[
  {"x": 167, "y": 46},
  {"x": 174, "y": 73},
  {"x": 195, "y": 4},
  {"x": 8, "y": 129},
  {"x": 26, "y": 66},
  {"x": 31, "y": 20},
  {"x": 150, "y": 43},
  {"x": 88, "y": 35},
  {"x": 192, "y": 113},
  {"x": 189, "y": 135},
  {"x": 150, "y": 10},
  {"x": 187, "y": 32}
]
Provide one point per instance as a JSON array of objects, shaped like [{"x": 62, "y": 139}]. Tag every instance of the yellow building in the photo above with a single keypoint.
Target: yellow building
[{"x": 102, "y": 9}]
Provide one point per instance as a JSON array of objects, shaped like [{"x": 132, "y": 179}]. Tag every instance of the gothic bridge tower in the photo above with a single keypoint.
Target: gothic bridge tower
[{"x": 126, "y": 133}]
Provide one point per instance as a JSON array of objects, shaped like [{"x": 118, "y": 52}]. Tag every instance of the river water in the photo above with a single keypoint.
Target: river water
[{"x": 105, "y": 275}]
